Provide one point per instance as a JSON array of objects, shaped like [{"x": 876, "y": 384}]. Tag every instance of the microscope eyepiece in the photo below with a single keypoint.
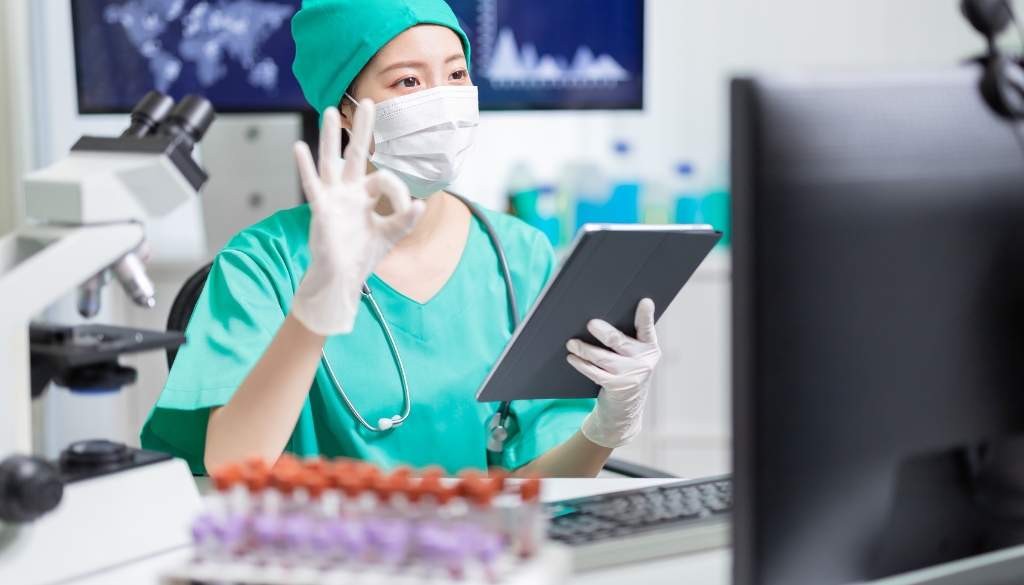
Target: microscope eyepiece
[
  {"x": 190, "y": 119},
  {"x": 148, "y": 113}
]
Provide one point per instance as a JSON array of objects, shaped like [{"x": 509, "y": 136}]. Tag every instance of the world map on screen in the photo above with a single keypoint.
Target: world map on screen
[{"x": 211, "y": 33}]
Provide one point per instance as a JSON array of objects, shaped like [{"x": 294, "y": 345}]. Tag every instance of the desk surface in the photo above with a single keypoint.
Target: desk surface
[{"x": 707, "y": 568}]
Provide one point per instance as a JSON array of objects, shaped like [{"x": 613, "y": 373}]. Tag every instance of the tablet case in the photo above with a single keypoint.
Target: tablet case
[{"x": 609, "y": 269}]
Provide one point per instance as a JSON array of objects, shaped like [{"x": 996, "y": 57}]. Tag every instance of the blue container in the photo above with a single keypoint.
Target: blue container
[{"x": 621, "y": 207}]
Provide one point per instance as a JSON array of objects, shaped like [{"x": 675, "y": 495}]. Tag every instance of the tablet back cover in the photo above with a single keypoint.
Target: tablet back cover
[{"x": 609, "y": 270}]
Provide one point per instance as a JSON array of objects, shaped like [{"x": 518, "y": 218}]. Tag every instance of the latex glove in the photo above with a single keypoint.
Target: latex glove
[
  {"x": 347, "y": 238},
  {"x": 624, "y": 375}
]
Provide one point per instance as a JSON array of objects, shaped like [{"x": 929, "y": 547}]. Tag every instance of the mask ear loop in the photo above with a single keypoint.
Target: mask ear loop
[{"x": 360, "y": 148}]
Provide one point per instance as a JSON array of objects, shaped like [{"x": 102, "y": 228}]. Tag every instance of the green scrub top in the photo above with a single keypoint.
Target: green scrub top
[{"x": 448, "y": 346}]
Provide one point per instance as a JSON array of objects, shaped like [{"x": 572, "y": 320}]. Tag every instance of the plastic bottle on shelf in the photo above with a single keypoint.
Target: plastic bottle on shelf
[
  {"x": 686, "y": 191},
  {"x": 626, "y": 186}
]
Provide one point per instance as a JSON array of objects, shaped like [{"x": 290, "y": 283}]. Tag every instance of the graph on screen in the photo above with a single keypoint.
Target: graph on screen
[{"x": 555, "y": 54}]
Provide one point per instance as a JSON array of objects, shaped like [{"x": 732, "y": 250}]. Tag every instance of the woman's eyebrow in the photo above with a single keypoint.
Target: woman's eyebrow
[
  {"x": 418, "y": 64},
  {"x": 404, "y": 65}
]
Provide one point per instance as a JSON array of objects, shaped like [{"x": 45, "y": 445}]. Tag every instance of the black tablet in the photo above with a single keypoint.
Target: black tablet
[{"x": 607, "y": 271}]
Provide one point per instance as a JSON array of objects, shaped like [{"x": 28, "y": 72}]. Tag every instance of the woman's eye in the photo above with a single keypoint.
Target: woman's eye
[
  {"x": 459, "y": 75},
  {"x": 408, "y": 82}
]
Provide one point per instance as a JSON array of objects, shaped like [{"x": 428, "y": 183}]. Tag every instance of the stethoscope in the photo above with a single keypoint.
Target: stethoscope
[{"x": 497, "y": 427}]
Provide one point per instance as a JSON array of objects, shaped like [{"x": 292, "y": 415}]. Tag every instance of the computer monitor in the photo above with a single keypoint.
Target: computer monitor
[
  {"x": 556, "y": 54},
  {"x": 878, "y": 297},
  {"x": 237, "y": 54},
  {"x": 527, "y": 54}
]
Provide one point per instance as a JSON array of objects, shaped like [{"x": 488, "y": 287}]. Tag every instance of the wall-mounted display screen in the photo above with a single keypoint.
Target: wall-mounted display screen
[
  {"x": 556, "y": 54},
  {"x": 238, "y": 54},
  {"x": 527, "y": 54}
]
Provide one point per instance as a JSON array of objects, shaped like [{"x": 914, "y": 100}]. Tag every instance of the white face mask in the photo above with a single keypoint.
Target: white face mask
[{"x": 425, "y": 137}]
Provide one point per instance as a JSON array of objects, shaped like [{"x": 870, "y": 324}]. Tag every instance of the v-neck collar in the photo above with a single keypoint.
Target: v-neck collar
[{"x": 421, "y": 320}]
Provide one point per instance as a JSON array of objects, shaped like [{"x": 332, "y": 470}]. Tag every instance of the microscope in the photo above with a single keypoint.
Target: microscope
[{"x": 103, "y": 503}]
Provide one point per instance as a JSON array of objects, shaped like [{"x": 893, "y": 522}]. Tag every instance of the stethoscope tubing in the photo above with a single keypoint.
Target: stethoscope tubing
[
  {"x": 504, "y": 411},
  {"x": 406, "y": 398}
]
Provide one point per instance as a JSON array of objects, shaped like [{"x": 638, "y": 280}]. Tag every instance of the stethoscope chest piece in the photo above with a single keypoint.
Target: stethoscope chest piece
[{"x": 496, "y": 434}]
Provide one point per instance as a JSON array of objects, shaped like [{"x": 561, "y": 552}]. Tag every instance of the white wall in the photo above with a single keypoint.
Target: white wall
[
  {"x": 693, "y": 47},
  {"x": 15, "y": 110}
]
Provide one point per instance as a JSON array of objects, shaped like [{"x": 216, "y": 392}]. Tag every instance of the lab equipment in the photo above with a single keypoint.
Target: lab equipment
[
  {"x": 85, "y": 358},
  {"x": 1003, "y": 83},
  {"x": 878, "y": 331},
  {"x": 316, "y": 522},
  {"x": 425, "y": 137},
  {"x": 624, "y": 374},
  {"x": 103, "y": 503},
  {"x": 605, "y": 274},
  {"x": 641, "y": 524},
  {"x": 237, "y": 54},
  {"x": 347, "y": 237},
  {"x": 569, "y": 54}
]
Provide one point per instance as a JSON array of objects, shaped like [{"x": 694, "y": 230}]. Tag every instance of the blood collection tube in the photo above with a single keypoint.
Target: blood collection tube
[
  {"x": 392, "y": 528},
  {"x": 299, "y": 527},
  {"x": 364, "y": 477},
  {"x": 531, "y": 520},
  {"x": 228, "y": 509},
  {"x": 434, "y": 539},
  {"x": 269, "y": 523},
  {"x": 257, "y": 480},
  {"x": 204, "y": 539}
]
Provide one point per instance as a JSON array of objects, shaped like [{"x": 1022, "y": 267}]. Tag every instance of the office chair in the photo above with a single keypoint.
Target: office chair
[{"x": 185, "y": 304}]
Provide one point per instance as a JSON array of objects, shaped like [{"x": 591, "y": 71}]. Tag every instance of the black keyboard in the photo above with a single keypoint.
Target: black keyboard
[{"x": 633, "y": 525}]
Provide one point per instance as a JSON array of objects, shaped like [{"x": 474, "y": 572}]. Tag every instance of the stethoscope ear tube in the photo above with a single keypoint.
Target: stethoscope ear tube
[{"x": 496, "y": 436}]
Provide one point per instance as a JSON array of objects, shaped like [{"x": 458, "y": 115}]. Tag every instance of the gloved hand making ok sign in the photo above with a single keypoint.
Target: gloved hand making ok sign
[
  {"x": 347, "y": 237},
  {"x": 624, "y": 375}
]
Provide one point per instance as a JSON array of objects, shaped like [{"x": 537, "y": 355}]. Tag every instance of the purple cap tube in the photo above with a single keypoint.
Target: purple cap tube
[
  {"x": 298, "y": 531},
  {"x": 352, "y": 537},
  {"x": 232, "y": 532},
  {"x": 489, "y": 548},
  {"x": 392, "y": 540},
  {"x": 267, "y": 530}
]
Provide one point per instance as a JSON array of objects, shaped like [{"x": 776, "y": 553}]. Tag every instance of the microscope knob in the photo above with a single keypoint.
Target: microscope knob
[{"x": 29, "y": 488}]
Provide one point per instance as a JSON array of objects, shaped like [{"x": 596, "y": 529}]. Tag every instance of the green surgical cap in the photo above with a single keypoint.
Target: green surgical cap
[{"x": 335, "y": 39}]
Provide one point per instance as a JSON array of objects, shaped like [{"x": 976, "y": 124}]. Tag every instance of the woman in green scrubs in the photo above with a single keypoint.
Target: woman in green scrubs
[{"x": 251, "y": 381}]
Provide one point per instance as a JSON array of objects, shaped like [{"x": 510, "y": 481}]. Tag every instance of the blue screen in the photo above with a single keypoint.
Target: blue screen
[
  {"x": 527, "y": 54},
  {"x": 238, "y": 54},
  {"x": 555, "y": 54}
]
